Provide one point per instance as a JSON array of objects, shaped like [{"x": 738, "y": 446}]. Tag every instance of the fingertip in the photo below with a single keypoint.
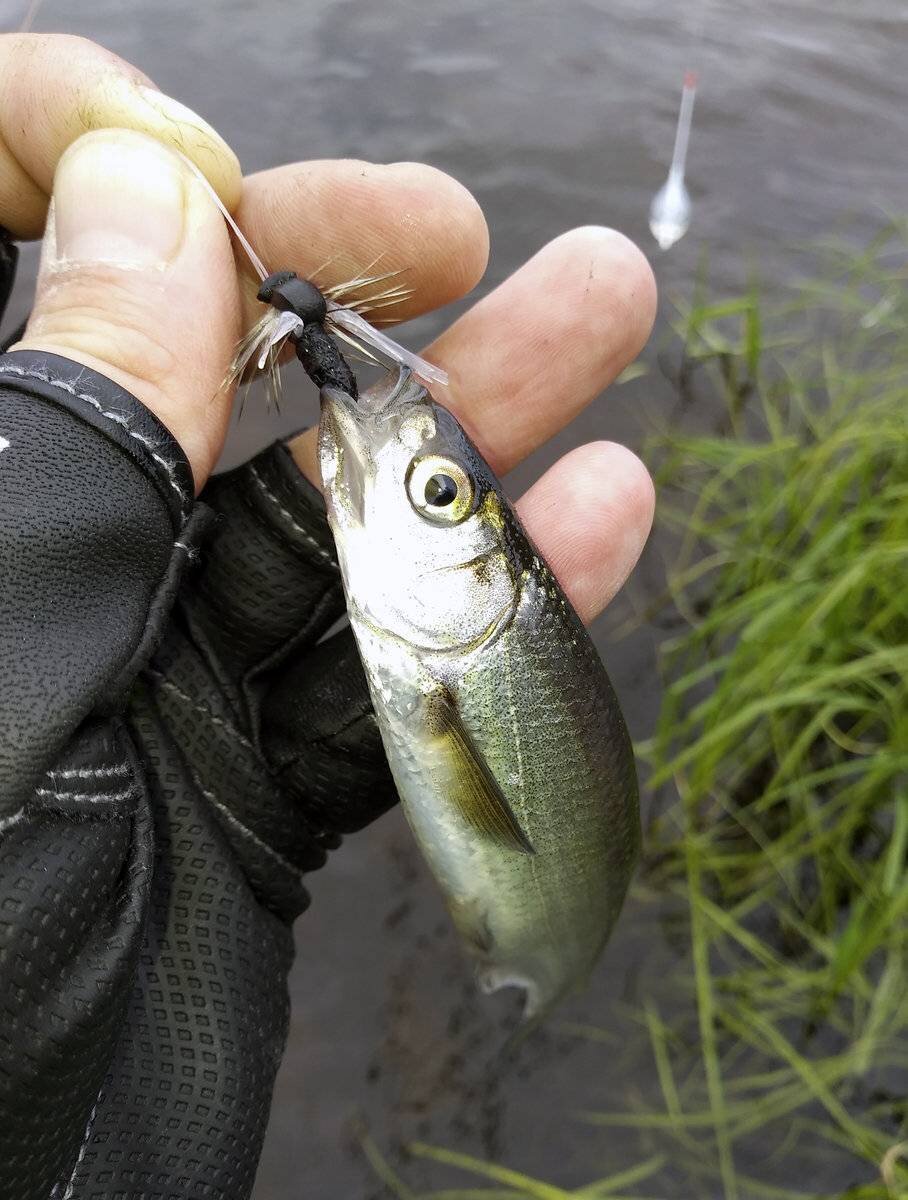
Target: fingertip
[
  {"x": 525, "y": 359},
  {"x": 54, "y": 88},
  {"x": 186, "y": 132},
  {"x": 340, "y": 219},
  {"x": 610, "y": 276},
  {"x": 438, "y": 199},
  {"x": 630, "y": 476}
]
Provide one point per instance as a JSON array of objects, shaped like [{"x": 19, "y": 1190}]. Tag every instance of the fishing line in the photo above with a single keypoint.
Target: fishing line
[
  {"x": 260, "y": 268},
  {"x": 31, "y": 12}
]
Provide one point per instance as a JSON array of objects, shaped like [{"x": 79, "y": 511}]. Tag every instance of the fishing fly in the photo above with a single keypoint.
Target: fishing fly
[
  {"x": 309, "y": 318},
  {"x": 301, "y": 313}
]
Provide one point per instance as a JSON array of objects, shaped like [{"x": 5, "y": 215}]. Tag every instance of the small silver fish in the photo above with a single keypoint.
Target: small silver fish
[{"x": 503, "y": 734}]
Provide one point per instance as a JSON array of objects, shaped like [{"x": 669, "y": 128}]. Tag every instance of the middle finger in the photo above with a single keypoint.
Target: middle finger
[
  {"x": 343, "y": 218},
  {"x": 527, "y": 358}
]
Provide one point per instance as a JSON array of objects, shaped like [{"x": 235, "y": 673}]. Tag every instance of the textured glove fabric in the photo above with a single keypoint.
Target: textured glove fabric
[
  {"x": 182, "y": 737},
  {"x": 9, "y": 258}
]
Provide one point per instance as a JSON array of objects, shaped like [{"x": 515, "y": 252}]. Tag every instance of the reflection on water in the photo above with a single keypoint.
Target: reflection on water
[{"x": 554, "y": 116}]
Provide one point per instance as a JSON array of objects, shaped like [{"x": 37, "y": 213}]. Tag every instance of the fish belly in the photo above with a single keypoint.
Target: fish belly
[{"x": 540, "y": 709}]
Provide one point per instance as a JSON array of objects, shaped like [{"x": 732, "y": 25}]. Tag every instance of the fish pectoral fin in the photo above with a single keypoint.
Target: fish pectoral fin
[{"x": 473, "y": 788}]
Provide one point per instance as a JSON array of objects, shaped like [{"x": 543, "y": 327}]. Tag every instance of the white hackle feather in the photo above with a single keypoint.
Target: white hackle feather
[
  {"x": 287, "y": 323},
  {"x": 361, "y": 331},
  {"x": 249, "y": 347},
  {"x": 262, "y": 345}
]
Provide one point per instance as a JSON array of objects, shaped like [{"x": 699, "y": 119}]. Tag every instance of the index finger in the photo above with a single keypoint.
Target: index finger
[{"x": 338, "y": 219}]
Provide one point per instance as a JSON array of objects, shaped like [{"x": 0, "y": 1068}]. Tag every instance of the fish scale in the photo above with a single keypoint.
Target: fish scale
[{"x": 503, "y": 733}]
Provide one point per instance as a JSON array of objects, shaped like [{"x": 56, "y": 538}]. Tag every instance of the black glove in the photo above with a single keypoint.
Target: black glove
[{"x": 177, "y": 747}]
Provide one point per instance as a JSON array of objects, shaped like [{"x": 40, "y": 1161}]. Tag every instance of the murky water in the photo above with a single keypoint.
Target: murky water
[{"x": 554, "y": 116}]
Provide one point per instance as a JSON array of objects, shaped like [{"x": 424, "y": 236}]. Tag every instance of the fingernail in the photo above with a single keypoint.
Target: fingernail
[{"x": 119, "y": 198}]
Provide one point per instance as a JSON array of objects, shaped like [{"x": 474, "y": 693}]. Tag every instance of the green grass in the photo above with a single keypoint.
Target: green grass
[
  {"x": 783, "y": 734},
  {"x": 778, "y": 1054}
]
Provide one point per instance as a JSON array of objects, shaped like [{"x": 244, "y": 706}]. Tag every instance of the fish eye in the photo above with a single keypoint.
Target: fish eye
[{"x": 440, "y": 489}]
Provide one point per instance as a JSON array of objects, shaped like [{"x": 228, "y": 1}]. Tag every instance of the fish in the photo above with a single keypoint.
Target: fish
[{"x": 503, "y": 733}]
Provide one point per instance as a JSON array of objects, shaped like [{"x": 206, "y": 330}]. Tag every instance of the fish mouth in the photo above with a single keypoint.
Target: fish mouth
[
  {"x": 342, "y": 456},
  {"x": 397, "y": 389},
  {"x": 345, "y": 444}
]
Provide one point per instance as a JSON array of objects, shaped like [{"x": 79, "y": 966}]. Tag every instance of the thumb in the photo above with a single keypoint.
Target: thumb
[{"x": 137, "y": 281}]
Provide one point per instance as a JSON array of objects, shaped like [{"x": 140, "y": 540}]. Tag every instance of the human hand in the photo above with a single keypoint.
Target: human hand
[
  {"x": 523, "y": 362},
  {"x": 165, "y": 830}
]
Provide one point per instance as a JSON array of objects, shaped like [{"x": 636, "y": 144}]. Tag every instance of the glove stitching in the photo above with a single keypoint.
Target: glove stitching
[
  {"x": 288, "y": 516},
  {"x": 87, "y": 797},
  {"x": 86, "y": 1138},
  {"x": 168, "y": 685},
  {"x": 8, "y": 822},
  {"x": 235, "y": 822},
  {"x": 117, "y": 418},
  {"x": 102, "y": 799},
  {"x": 90, "y": 772}
]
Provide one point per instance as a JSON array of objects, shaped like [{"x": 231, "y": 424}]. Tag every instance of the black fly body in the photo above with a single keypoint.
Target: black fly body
[
  {"x": 312, "y": 320},
  {"x": 315, "y": 348}
]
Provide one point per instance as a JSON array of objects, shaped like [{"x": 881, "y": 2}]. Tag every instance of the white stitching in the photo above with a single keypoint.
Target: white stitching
[
  {"x": 86, "y": 797},
  {"x": 90, "y": 772},
  {"x": 16, "y": 818},
  {"x": 215, "y": 720},
  {"x": 86, "y": 1138},
  {"x": 288, "y": 516},
  {"x": 117, "y": 418},
  {"x": 9, "y": 822},
  {"x": 245, "y": 830}
]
